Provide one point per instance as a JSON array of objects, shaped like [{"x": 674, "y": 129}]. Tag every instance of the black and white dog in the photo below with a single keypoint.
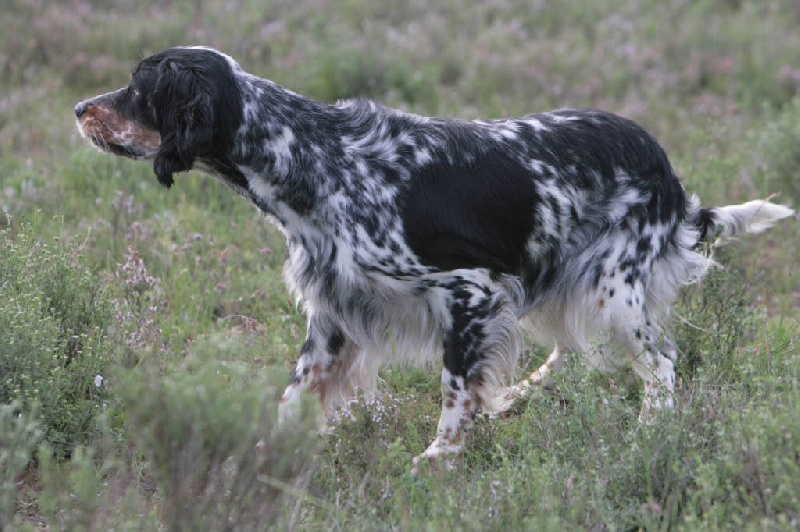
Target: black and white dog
[{"x": 411, "y": 237}]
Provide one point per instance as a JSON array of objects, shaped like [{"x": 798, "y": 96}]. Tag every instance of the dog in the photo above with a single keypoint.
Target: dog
[{"x": 418, "y": 239}]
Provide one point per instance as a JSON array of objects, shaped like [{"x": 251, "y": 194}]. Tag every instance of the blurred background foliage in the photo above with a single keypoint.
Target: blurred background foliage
[{"x": 175, "y": 298}]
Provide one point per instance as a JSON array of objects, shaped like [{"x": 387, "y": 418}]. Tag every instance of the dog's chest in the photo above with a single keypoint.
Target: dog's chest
[{"x": 351, "y": 259}]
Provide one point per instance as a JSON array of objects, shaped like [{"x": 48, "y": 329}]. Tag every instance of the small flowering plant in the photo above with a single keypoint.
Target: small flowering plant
[
  {"x": 54, "y": 318},
  {"x": 374, "y": 428},
  {"x": 136, "y": 311}
]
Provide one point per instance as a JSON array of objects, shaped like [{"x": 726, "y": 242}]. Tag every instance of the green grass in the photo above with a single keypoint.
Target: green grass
[{"x": 178, "y": 300}]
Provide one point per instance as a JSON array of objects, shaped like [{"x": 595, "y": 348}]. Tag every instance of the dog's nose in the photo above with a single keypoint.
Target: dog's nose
[{"x": 80, "y": 109}]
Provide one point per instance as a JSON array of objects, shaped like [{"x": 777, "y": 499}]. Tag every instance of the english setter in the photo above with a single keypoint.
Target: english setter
[{"x": 410, "y": 238}]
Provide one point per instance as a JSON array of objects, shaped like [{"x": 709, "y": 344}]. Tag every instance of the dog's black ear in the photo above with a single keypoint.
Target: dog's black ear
[{"x": 184, "y": 116}]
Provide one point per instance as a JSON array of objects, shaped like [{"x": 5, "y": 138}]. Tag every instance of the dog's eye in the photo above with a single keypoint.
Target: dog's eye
[{"x": 135, "y": 92}]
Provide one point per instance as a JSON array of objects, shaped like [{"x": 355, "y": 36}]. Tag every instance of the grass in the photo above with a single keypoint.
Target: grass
[{"x": 178, "y": 297}]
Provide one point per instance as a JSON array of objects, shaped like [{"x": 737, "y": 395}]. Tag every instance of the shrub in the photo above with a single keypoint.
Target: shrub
[
  {"x": 210, "y": 439},
  {"x": 19, "y": 436},
  {"x": 53, "y": 348},
  {"x": 717, "y": 318},
  {"x": 776, "y": 152}
]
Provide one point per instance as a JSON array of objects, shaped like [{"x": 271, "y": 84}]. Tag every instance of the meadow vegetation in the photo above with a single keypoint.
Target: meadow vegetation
[{"x": 145, "y": 334}]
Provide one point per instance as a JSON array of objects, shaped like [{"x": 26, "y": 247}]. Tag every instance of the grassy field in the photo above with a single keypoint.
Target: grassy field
[{"x": 145, "y": 334}]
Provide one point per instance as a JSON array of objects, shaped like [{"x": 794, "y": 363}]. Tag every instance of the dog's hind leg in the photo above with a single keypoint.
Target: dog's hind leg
[
  {"x": 653, "y": 355},
  {"x": 541, "y": 378},
  {"x": 653, "y": 358}
]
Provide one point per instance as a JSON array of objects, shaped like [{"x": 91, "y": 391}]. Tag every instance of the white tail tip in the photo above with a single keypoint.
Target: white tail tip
[{"x": 752, "y": 217}]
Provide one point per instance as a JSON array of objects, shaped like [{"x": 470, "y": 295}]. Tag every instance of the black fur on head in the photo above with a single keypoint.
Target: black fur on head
[{"x": 196, "y": 106}]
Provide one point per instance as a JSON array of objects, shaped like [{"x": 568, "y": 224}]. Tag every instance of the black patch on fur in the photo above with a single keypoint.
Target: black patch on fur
[
  {"x": 335, "y": 342},
  {"x": 308, "y": 346},
  {"x": 470, "y": 215},
  {"x": 465, "y": 342},
  {"x": 705, "y": 222},
  {"x": 601, "y": 144},
  {"x": 194, "y": 102}
]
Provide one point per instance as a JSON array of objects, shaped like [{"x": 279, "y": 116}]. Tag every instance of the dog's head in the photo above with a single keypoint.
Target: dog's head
[{"x": 181, "y": 104}]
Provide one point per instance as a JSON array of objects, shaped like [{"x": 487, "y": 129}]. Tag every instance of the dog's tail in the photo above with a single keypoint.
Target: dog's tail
[{"x": 732, "y": 220}]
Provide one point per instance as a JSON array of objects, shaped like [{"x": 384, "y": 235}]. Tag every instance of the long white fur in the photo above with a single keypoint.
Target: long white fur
[{"x": 752, "y": 217}]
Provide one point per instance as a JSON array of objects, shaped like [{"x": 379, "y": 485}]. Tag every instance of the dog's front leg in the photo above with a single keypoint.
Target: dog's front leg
[
  {"x": 481, "y": 341},
  {"x": 459, "y": 406},
  {"x": 320, "y": 359}
]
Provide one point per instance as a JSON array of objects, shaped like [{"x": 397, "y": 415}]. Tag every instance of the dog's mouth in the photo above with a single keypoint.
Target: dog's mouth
[
  {"x": 117, "y": 149},
  {"x": 103, "y": 139}
]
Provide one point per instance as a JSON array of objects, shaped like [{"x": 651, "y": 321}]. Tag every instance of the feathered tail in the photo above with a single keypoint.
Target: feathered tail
[{"x": 726, "y": 222}]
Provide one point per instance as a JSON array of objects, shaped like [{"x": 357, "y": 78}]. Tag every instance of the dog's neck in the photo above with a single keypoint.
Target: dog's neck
[{"x": 291, "y": 153}]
